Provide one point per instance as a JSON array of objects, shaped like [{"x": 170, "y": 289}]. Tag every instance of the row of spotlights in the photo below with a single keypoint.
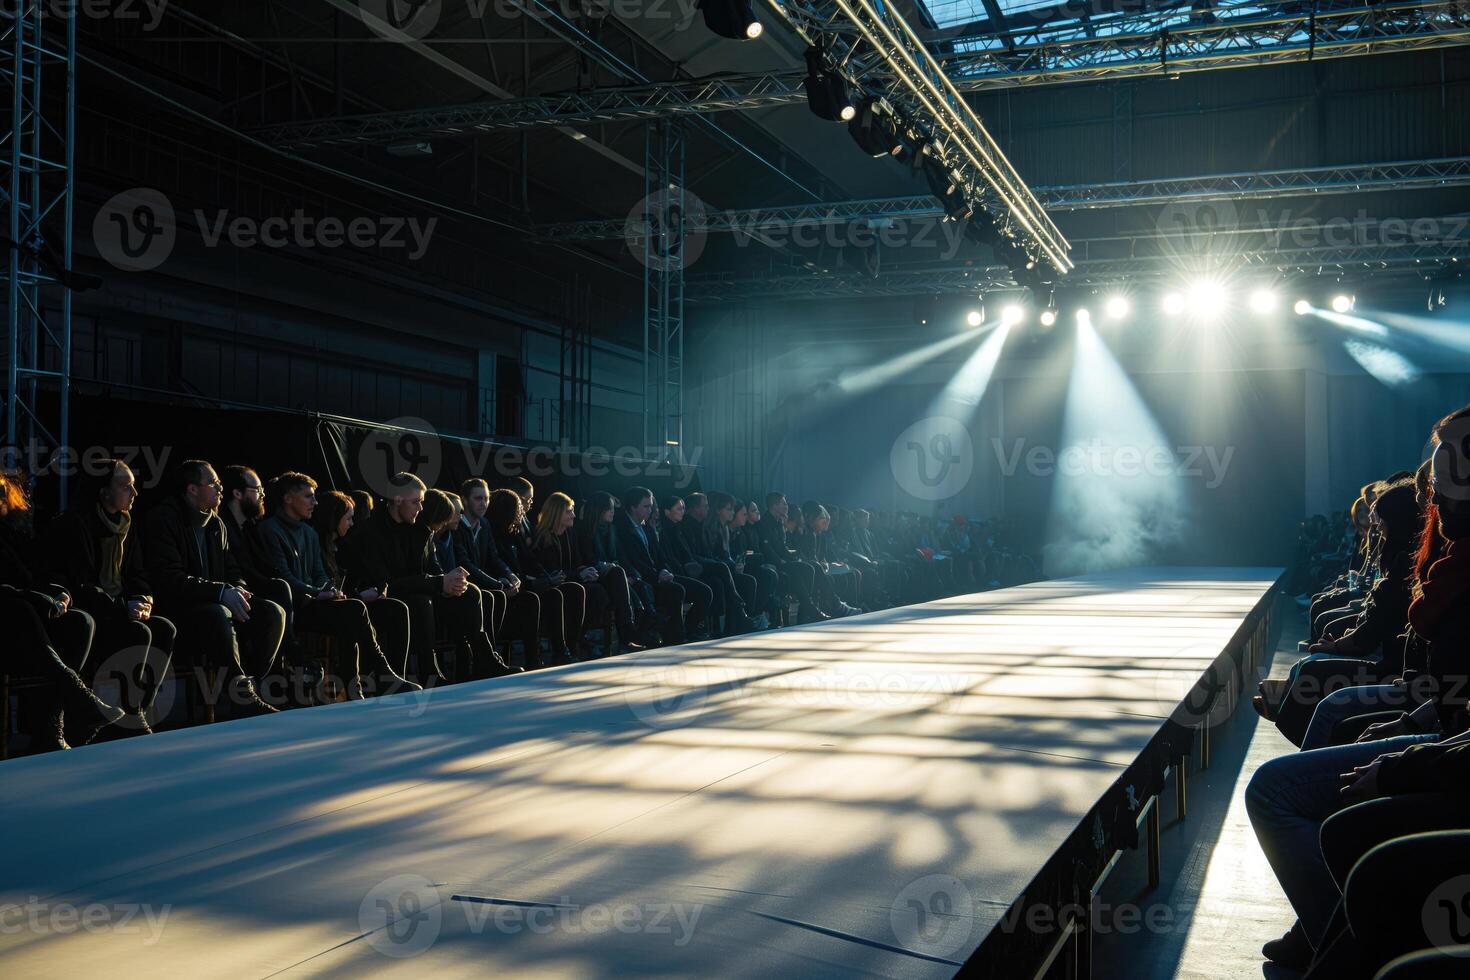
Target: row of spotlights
[
  {"x": 1010, "y": 315},
  {"x": 1206, "y": 300}
]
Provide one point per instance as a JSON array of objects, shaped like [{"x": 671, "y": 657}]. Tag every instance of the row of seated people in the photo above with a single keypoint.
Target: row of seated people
[
  {"x": 1368, "y": 827},
  {"x": 232, "y": 571}
]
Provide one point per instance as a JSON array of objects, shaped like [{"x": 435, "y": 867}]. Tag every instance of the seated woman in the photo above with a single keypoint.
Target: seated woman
[
  {"x": 1371, "y": 650},
  {"x": 556, "y": 556},
  {"x": 842, "y": 579},
  {"x": 333, "y": 518},
  {"x": 563, "y": 602},
  {"x": 757, "y": 582},
  {"x": 597, "y": 546},
  {"x": 45, "y": 637}
]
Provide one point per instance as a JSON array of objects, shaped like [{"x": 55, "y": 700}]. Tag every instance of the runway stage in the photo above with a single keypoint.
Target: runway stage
[{"x": 865, "y": 796}]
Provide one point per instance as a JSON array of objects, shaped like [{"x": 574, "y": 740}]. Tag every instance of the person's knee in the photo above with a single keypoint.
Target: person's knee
[{"x": 1260, "y": 792}]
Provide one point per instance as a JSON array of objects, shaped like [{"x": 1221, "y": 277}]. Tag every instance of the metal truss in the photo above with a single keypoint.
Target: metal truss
[
  {"x": 1128, "y": 45},
  {"x": 39, "y": 69},
  {"x": 1261, "y": 251},
  {"x": 664, "y": 260},
  {"x": 1169, "y": 42},
  {"x": 1272, "y": 184}
]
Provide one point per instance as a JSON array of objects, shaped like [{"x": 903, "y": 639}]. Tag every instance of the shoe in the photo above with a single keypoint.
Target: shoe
[
  {"x": 86, "y": 713},
  {"x": 486, "y": 662},
  {"x": 1291, "y": 950},
  {"x": 389, "y": 680},
  {"x": 809, "y": 613},
  {"x": 245, "y": 701}
]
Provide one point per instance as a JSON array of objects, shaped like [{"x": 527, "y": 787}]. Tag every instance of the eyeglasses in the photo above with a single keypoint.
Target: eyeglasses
[
  {"x": 212, "y": 483},
  {"x": 255, "y": 490}
]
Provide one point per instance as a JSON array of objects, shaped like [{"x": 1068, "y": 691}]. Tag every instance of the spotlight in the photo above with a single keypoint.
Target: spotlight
[
  {"x": 1083, "y": 316},
  {"x": 875, "y": 129},
  {"x": 826, "y": 90},
  {"x": 1207, "y": 299},
  {"x": 1048, "y": 317},
  {"x": 949, "y": 186},
  {"x": 1173, "y": 304},
  {"x": 1302, "y": 307},
  {"x": 1012, "y": 315},
  {"x": 1342, "y": 303},
  {"x": 1263, "y": 301},
  {"x": 974, "y": 318},
  {"x": 734, "y": 19},
  {"x": 1117, "y": 307}
]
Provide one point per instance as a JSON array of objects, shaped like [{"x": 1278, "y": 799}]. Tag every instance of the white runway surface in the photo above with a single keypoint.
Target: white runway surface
[{"x": 862, "y": 797}]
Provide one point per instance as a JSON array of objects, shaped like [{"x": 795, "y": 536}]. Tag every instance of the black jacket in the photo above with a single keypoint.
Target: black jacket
[
  {"x": 477, "y": 554},
  {"x": 70, "y": 554},
  {"x": 677, "y": 543},
  {"x": 178, "y": 569},
  {"x": 636, "y": 557},
  {"x": 562, "y": 554},
  {"x": 774, "y": 547},
  {"x": 248, "y": 548},
  {"x": 515, "y": 551},
  {"x": 398, "y": 555}
]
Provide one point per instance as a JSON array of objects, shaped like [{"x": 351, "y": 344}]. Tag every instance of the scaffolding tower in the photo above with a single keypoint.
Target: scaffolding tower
[{"x": 39, "y": 67}]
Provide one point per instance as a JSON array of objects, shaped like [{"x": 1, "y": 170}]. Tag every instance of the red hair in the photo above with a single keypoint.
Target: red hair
[{"x": 1431, "y": 547}]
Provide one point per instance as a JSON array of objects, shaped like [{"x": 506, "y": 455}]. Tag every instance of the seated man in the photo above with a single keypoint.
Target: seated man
[
  {"x": 201, "y": 588},
  {"x": 476, "y": 553},
  {"x": 293, "y": 552},
  {"x": 92, "y": 551},
  {"x": 798, "y": 579},
  {"x": 396, "y": 552},
  {"x": 242, "y": 505}
]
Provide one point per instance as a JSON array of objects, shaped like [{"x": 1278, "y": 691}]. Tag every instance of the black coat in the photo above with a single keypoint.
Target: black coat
[
  {"x": 562, "y": 554},
  {"x": 177, "y": 570},
  {"x": 645, "y": 560},
  {"x": 774, "y": 547},
  {"x": 70, "y": 554},
  {"x": 398, "y": 555},
  {"x": 478, "y": 555}
]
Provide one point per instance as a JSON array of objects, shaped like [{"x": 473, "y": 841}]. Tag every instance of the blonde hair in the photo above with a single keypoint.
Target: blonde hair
[{"x": 549, "y": 518}]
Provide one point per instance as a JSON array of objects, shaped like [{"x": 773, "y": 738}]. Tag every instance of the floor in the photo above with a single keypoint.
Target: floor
[
  {"x": 1219, "y": 900},
  {"x": 860, "y": 797}
]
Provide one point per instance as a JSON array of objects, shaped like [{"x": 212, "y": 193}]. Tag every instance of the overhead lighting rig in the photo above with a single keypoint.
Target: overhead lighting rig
[{"x": 878, "y": 59}]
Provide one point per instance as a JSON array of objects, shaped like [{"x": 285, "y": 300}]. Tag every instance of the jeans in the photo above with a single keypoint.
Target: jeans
[
  {"x": 1349, "y": 702},
  {"x": 1287, "y": 800}
]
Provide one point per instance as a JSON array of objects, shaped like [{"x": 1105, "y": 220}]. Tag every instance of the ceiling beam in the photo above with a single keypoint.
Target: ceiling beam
[
  {"x": 1138, "y": 45},
  {"x": 1267, "y": 184}
]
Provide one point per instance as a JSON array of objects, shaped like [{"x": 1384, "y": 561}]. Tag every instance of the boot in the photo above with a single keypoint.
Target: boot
[
  {"x": 51, "y": 735},
  {"x": 487, "y": 662},
  {"x": 245, "y": 701},
  {"x": 1292, "y": 950},
  {"x": 87, "y": 713}
]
